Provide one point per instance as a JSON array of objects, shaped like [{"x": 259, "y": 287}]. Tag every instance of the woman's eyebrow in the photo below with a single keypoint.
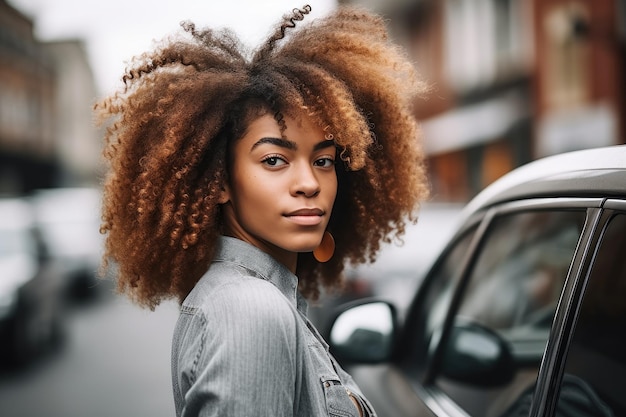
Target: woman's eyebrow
[
  {"x": 324, "y": 144},
  {"x": 283, "y": 143}
]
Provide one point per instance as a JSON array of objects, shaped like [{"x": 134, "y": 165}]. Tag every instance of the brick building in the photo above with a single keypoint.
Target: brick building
[{"x": 513, "y": 80}]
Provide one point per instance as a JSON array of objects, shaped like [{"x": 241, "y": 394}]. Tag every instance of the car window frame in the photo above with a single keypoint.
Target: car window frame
[
  {"x": 546, "y": 394},
  {"x": 435, "y": 398}
]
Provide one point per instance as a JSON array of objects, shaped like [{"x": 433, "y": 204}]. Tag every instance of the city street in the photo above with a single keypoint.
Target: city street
[{"x": 115, "y": 362}]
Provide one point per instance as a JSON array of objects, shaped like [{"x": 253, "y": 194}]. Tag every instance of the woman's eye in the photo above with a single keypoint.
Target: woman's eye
[
  {"x": 274, "y": 161},
  {"x": 325, "y": 162}
]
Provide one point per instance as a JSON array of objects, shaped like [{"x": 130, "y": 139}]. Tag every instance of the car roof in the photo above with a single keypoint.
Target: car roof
[{"x": 597, "y": 172}]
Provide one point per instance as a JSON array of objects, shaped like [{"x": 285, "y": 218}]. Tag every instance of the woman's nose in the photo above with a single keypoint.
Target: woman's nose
[{"x": 305, "y": 182}]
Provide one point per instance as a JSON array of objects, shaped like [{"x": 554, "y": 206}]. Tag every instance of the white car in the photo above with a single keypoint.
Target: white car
[
  {"x": 31, "y": 305},
  {"x": 69, "y": 223}
]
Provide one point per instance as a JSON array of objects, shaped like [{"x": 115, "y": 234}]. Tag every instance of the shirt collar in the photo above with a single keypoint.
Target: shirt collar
[{"x": 261, "y": 265}]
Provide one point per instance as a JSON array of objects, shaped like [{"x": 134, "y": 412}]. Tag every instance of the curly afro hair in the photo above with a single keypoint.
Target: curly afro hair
[{"x": 171, "y": 125}]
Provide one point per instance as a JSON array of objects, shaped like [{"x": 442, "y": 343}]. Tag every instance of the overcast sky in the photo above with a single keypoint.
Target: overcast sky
[{"x": 115, "y": 30}]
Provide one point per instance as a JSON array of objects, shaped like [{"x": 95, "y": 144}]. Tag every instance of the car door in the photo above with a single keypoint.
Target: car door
[
  {"x": 475, "y": 336},
  {"x": 584, "y": 373}
]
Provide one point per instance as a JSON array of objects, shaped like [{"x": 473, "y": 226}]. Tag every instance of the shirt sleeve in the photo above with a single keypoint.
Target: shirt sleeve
[{"x": 245, "y": 354}]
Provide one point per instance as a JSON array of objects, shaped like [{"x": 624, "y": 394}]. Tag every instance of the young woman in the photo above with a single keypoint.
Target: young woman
[{"x": 240, "y": 184}]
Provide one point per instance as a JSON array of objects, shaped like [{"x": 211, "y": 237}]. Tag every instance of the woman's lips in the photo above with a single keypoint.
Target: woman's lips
[{"x": 306, "y": 216}]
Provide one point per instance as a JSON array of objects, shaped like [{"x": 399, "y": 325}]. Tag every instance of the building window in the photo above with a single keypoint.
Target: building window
[{"x": 566, "y": 55}]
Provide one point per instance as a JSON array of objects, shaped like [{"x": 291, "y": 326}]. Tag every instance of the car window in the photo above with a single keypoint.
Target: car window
[
  {"x": 595, "y": 369},
  {"x": 500, "y": 330},
  {"x": 437, "y": 295}
]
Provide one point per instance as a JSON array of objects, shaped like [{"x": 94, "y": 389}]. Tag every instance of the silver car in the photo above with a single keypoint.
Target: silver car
[{"x": 522, "y": 314}]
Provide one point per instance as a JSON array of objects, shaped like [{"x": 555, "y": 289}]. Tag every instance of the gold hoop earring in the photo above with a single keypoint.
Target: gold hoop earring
[{"x": 326, "y": 248}]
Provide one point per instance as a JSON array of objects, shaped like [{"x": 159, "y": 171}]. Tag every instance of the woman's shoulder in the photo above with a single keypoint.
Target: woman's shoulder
[
  {"x": 241, "y": 315},
  {"x": 245, "y": 309},
  {"x": 232, "y": 288}
]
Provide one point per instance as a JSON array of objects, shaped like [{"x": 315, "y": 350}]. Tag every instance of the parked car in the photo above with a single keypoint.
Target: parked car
[
  {"x": 522, "y": 314},
  {"x": 31, "y": 307},
  {"x": 69, "y": 223}
]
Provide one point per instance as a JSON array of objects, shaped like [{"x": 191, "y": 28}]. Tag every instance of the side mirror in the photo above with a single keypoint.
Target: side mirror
[
  {"x": 477, "y": 355},
  {"x": 364, "y": 333}
]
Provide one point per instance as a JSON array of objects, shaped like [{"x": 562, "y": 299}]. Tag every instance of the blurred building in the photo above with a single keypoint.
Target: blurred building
[
  {"x": 512, "y": 81},
  {"x": 27, "y": 92},
  {"x": 77, "y": 141},
  {"x": 47, "y": 90}
]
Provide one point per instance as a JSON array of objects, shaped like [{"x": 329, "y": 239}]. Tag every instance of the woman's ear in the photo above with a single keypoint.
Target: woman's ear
[{"x": 224, "y": 196}]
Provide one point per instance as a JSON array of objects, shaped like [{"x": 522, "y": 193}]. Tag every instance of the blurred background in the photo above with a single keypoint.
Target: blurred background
[{"x": 512, "y": 81}]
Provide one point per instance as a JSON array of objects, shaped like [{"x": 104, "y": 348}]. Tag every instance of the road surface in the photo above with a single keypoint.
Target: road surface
[{"x": 115, "y": 362}]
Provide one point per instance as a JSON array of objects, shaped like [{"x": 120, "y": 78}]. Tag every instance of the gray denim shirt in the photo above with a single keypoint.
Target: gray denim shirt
[{"x": 243, "y": 346}]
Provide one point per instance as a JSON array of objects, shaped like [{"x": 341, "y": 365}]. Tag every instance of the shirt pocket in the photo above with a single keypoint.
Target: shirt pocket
[{"x": 338, "y": 402}]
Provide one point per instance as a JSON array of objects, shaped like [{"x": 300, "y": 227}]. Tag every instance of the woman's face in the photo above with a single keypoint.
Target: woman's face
[{"x": 281, "y": 190}]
